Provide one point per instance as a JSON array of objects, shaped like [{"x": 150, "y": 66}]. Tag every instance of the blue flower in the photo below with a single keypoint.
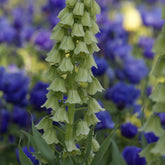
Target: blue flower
[
  {"x": 128, "y": 130},
  {"x": 131, "y": 156},
  {"x": 20, "y": 116},
  {"x": 38, "y": 94},
  {"x": 122, "y": 95},
  {"x": 4, "y": 120},
  {"x": 151, "y": 137},
  {"x": 105, "y": 121},
  {"x": 28, "y": 154},
  {"x": 102, "y": 67}
]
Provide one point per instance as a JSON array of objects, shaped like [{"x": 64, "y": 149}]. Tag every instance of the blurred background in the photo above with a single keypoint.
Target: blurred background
[{"x": 128, "y": 30}]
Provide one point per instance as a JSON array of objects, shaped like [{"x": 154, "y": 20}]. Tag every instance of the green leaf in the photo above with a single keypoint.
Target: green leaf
[
  {"x": 103, "y": 148},
  {"x": 117, "y": 159},
  {"x": 89, "y": 144}
]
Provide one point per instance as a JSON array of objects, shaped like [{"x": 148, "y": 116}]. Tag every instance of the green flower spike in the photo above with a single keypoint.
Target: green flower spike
[
  {"x": 70, "y": 3},
  {"x": 66, "y": 65},
  {"x": 95, "y": 145},
  {"x": 89, "y": 37},
  {"x": 50, "y": 136},
  {"x": 67, "y": 43},
  {"x": 73, "y": 97},
  {"x": 67, "y": 20},
  {"x": 94, "y": 28},
  {"x": 91, "y": 118},
  {"x": 58, "y": 85},
  {"x": 153, "y": 125},
  {"x": 89, "y": 61},
  {"x": 60, "y": 115},
  {"x": 159, "y": 107},
  {"x": 44, "y": 124},
  {"x": 86, "y": 20},
  {"x": 78, "y": 30},
  {"x": 95, "y": 8},
  {"x": 87, "y": 3},
  {"x": 81, "y": 48},
  {"x": 58, "y": 34},
  {"x": 79, "y": 9},
  {"x": 71, "y": 147},
  {"x": 63, "y": 13},
  {"x": 51, "y": 73}
]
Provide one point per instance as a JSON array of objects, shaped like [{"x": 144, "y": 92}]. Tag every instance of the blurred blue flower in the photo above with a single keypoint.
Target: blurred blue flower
[
  {"x": 105, "y": 121},
  {"x": 128, "y": 130},
  {"x": 20, "y": 116},
  {"x": 4, "y": 120},
  {"x": 151, "y": 137},
  {"x": 137, "y": 110},
  {"x": 28, "y": 154},
  {"x": 38, "y": 94},
  {"x": 122, "y": 95},
  {"x": 102, "y": 67},
  {"x": 131, "y": 156}
]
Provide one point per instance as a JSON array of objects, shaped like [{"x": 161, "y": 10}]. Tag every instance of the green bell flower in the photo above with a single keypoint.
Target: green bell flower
[
  {"x": 51, "y": 73},
  {"x": 67, "y": 43},
  {"x": 94, "y": 87},
  {"x": 78, "y": 30},
  {"x": 159, "y": 68},
  {"x": 70, "y": 3},
  {"x": 50, "y": 136},
  {"x": 158, "y": 95},
  {"x": 159, "y": 147},
  {"x": 81, "y": 48},
  {"x": 90, "y": 38},
  {"x": 86, "y": 20},
  {"x": 60, "y": 115},
  {"x": 87, "y": 3},
  {"x": 67, "y": 20},
  {"x": 83, "y": 75},
  {"x": 89, "y": 61},
  {"x": 153, "y": 125},
  {"x": 159, "y": 108},
  {"x": 52, "y": 102},
  {"x": 54, "y": 56},
  {"x": 94, "y": 106},
  {"x": 78, "y": 9},
  {"x": 83, "y": 95},
  {"x": 95, "y": 145},
  {"x": 62, "y": 13},
  {"x": 66, "y": 65},
  {"x": 58, "y": 85},
  {"x": 82, "y": 129},
  {"x": 91, "y": 119},
  {"x": 44, "y": 123},
  {"x": 94, "y": 28},
  {"x": 95, "y": 9},
  {"x": 71, "y": 147},
  {"x": 73, "y": 97},
  {"x": 58, "y": 34}
]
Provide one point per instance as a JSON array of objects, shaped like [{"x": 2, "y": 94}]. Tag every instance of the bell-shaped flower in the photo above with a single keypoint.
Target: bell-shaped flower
[
  {"x": 51, "y": 73},
  {"x": 58, "y": 85},
  {"x": 61, "y": 14},
  {"x": 91, "y": 119},
  {"x": 54, "y": 56},
  {"x": 159, "y": 107},
  {"x": 60, "y": 115},
  {"x": 44, "y": 123},
  {"x": 67, "y": 20},
  {"x": 51, "y": 102},
  {"x": 94, "y": 87},
  {"x": 67, "y": 43},
  {"x": 70, "y": 3},
  {"x": 87, "y": 3},
  {"x": 71, "y": 147},
  {"x": 159, "y": 68},
  {"x": 153, "y": 125},
  {"x": 66, "y": 65},
  {"x": 82, "y": 129},
  {"x": 81, "y": 48},
  {"x": 95, "y": 9},
  {"x": 94, "y": 28},
  {"x": 58, "y": 34},
  {"x": 89, "y": 61},
  {"x": 83, "y": 95},
  {"x": 94, "y": 106},
  {"x": 86, "y": 19},
  {"x": 95, "y": 145},
  {"x": 78, "y": 30},
  {"x": 158, "y": 95},
  {"x": 83, "y": 75},
  {"x": 159, "y": 147},
  {"x": 73, "y": 97},
  {"x": 89, "y": 38},
  {"x": 50, "y": 136},
  {"x": 79, "y": 9}
]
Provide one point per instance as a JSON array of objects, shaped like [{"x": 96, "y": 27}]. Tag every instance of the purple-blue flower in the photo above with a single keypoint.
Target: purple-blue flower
[
  {"x": 151, "y": 137},
  {"x": 128, "y": 130},
  {"x": 131, "y": 156},
  {"x": 4, "y": 120},
  {"x": 105, "y": 121}
]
